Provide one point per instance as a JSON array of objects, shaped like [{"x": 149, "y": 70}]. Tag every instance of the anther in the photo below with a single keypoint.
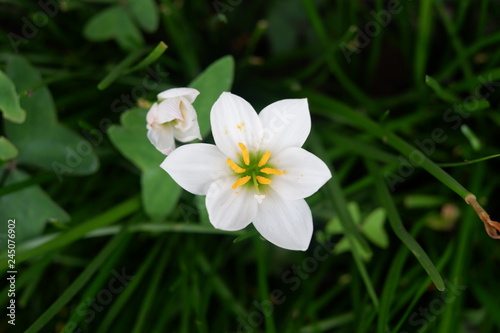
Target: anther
[
  {"x": 264, "y": 159},
  {"x": 241, "y": 181},
  {"x": 270, "y": 171},
  {"x": 263, "y": 180},
  {"x": 244, "y": 153},
  {"x": 236, "y": 168}
]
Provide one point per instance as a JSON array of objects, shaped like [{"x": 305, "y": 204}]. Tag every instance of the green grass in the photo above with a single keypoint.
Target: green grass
[{"x": 377, "y": 100}]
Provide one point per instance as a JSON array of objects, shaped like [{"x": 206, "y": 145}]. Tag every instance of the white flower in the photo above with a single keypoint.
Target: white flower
[
  {"x": 173, "y": 117},
  {"x": 257, "y": 171}
]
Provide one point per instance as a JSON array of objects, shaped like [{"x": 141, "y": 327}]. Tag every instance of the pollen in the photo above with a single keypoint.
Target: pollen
[
  {"x": 240, "y": 126},
  {"x": 264, "y": 159},
  {"x": 244, "y": 153},
  {"x": 236, "y": 168},
  {"x": 263, "y": 180},
  {"x": 241, "y": 181},
  {"x": 271, "y": 171}
]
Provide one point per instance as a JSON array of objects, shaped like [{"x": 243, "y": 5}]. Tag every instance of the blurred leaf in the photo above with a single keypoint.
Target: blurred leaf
[
  {"x": 471, "y": 136},
  {"x": 41, "y": 141},
  {"x": 104, "y": 25},
  {"x": 146, "y": 14},
  {"x": 445, "y": 95},
  {"x": 114, "y": 22},
  {"x": 131, "y": 139},
  {"x": 9, "y": 100},
  {"x": 159, "y": 192},
  {"x": 31, "y": 207},
  {"x": 343, "y": 246},
  {"x": 423, "y": 201},
  {"x": 127, "y": 34},
  {"x": 373, "y": 228},
  {"x": 211, "y": 83},
  {"x": 353, "y": 208},
  {"x": 7, "y": 150}
]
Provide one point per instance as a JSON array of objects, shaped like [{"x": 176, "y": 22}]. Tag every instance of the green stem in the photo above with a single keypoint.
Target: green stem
[{"x": 263, "y": 285}]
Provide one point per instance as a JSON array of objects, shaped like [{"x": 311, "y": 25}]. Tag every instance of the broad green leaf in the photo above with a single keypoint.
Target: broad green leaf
[
  {"x": 211, "y": 83},
  {"x": 31, "y": 207},
  {"x": 159, "y": 192},
  {"x": 373, "y": 228},
  {"x": 131, "y": 139},
  {"x": 128, "y": 36},
  {"x": 104, "y": 25},
  {"x": 41, "y": 141},
  {"x": 7, "y": 150},
  {"x": 146, "y": 14},
  {"x": 9, "y": 100}
]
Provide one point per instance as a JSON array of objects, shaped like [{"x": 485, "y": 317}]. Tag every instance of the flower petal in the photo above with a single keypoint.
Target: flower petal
[
  {"x": 285, "y": 223},
  {"x": 230, "y": 209},
  {"x": 233, "y": 121},
  {"x": 168, "y": 110},
  {"x": 162, "y": 137},
  {"x": 195, "y": 166},
  {"x": 286, "y": 123},
  {"x": 187, "y": 129},
  {"x": 152, "y": 114},
  {"x": 302, "y": 173},
  {"x": 189, "y": 93}
]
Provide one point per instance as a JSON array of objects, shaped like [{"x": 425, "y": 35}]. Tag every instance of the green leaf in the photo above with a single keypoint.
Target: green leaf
[
  {"x": 146, "y": 14},
  {"x": 41, "y": 141},
  {"x": 128, "y": 36},
  {"x": 131, "y": 139},
  {"x": 104, "y": 25},
  {"x": 31, "y": 207},
  {"x": 7, "y": 150},
  {"x": 159, "y": 191},
  {"x": 373, "y": 228},
  {"x": 9, "y": 100},
  {"x": 211, "y": 83},
  {"x": 344, "y": 245}
]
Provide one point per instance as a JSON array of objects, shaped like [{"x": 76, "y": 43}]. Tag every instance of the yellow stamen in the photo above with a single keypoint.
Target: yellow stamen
[
  {"x": 244, "y": 153},
  {"x": 264, "y": 159},
  {"x": 236, "y": 168},
  {"x": 241, "y": 181},
  {"x": 263, "y": 180},
  {"x": 270, "y": 171}
]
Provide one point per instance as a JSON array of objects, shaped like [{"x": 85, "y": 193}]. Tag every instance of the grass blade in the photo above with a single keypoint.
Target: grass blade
[{"x": 400, "y": 230}]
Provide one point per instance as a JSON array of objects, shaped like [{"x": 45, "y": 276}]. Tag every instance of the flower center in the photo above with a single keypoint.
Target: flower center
[{"x": 253, "y": 168}]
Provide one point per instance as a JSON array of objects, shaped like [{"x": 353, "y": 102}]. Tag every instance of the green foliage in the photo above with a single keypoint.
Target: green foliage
[
  {"x": 9, "y": 100},
  {"x": 31, "y": 207},
  {"x": 7, "y": 150},
  {"x": 121, "y": 22},
  {"x": 41, "y": 140},
  {"x": 217, "y": 78},
  {"x": 159, "y": 191}
]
